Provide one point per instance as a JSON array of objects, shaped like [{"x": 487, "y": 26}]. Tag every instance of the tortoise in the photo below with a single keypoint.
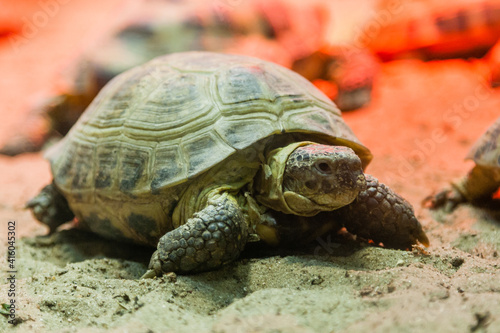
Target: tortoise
[
  {"x": 279, "y": 31},
  {"x": 197, "y": 153},
  {"x": 482, "y": 181}
]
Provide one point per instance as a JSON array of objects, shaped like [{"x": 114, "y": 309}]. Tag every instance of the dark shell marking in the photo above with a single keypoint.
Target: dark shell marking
[
  {"x": 144, "y": 226},
  {"x": 102, "y": 227}
]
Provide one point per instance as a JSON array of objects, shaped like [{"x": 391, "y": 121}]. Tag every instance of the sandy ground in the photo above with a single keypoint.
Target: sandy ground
[{"x": 422, "y": 121}]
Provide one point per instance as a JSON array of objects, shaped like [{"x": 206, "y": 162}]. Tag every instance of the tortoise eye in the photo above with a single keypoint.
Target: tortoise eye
[{"x": 324, "y": 167}]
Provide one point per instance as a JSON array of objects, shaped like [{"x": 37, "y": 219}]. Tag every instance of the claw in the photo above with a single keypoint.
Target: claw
[
  {"x": 423, "y": 239},
  {"x": 150, "y": 274},
  {"x": 154, "y": 268}
]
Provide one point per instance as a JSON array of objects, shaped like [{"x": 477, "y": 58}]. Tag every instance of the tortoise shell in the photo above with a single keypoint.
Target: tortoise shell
[
  {"x": 486, "y": 151},
  {"x": 155, "y": 127}
]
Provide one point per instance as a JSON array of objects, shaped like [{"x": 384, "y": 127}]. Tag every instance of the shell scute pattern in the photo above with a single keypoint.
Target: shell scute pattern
[
  {"x": 107, "y": 161},
  {"x": 82, "y": 168},
  {"x": 241, "y": 135},
  {"x": 75, "y": 170},
  {"x": 168, "y": 173},
  {"x": 108, "y": 110},
  {"x": 314, "y": 119},
  {"x": 133, "y": 167},
  {"x": 201, "y": 152},
  {"x": 65, "y": 162},
  {"x": 242, "y": 84},
  {"x": 177, "y": 101}
]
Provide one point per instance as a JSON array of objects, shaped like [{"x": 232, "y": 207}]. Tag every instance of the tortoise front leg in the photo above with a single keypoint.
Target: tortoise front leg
[
  {"x": 213, "y": 237},
  {"x": 383, "y": 216}
]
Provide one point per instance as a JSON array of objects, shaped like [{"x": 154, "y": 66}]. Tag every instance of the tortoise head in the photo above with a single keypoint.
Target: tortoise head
[{"x": 329, "y": 176}]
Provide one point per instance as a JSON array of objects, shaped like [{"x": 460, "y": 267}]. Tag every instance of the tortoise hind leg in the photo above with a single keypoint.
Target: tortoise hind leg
[
  {"x": 383, "y": 216},
  {"x": 50, "y": 207},
  {"x": 212, "y": 237}
]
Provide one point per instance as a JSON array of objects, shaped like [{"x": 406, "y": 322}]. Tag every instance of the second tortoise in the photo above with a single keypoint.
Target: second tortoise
[
  {"x": 483, "y": 180},
  {"x": 197, "y": 153}
]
